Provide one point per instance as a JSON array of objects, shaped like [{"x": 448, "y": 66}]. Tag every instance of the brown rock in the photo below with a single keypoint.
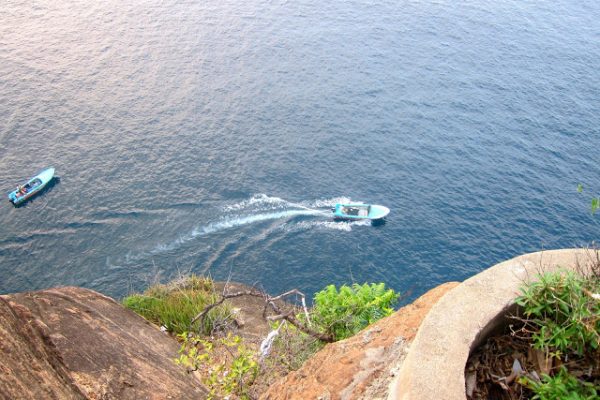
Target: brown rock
[
  {"x": 73, "y": 343},
  {"x": 362, "y": 366}
]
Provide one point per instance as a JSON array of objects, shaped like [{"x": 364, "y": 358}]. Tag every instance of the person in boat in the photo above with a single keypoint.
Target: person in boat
[{"x": 21, "y": 190}]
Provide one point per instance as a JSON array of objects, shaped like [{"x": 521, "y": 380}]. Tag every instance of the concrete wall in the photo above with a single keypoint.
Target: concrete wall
[{"x": 434, "y": 366}]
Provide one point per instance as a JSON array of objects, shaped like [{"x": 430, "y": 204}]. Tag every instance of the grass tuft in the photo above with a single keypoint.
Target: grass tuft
[{"x": 174, "y": 305}]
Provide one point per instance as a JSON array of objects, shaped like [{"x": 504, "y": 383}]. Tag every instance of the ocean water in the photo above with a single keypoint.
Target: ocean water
[{"x": 214, "y": 136}]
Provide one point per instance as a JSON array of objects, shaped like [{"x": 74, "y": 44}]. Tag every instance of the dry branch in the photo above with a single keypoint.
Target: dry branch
[{"x": 270, "y": 302}]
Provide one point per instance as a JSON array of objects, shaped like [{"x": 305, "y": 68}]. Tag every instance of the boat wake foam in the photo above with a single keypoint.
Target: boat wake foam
[
  {"x": 345, "y": 226},
  {"x": 260, "y": 208}
]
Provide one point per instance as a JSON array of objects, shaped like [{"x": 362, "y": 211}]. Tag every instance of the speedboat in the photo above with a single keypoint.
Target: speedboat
[
  {"x": 33, "y": 186},
  {"x": 350, "y": 212}
]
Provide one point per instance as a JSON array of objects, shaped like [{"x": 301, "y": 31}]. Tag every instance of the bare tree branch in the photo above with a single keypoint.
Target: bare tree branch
[
  {"x": 294, "y": 321},
  {"x": 224, "y": 297},
  {"x": 270, "y": 302},
  {"x": 299, "y": 293}
]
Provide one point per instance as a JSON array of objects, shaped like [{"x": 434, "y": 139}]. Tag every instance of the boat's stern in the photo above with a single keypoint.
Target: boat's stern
[
  {"x": 14, "y": 199},
  {"x": 337, "y": 211}
]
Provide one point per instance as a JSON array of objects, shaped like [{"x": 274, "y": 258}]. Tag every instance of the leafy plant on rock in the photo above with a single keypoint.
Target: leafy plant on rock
[
  {"x": 562, "y": 314},
  {"x": 563, "y": 386},
  {"x": 565, "y": 315},
  {"x": 228, "y": 367},
  {"x": 345, "y": 312}
]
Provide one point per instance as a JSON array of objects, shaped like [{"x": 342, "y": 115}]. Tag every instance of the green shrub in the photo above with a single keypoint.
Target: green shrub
[
  {"x": 227, "y": 366},
  {"x": 345, "y": 312},
  {"x": 562, "y": 386},
  {"x": 563, "y": 312},
  {"x": 175, "y": 305}
]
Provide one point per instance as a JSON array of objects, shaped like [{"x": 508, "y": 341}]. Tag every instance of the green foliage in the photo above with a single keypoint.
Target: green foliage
[
  {"x": 562, "y": 386},
  {"x": 229, "y": 368},
  {"x": 562, "y": 309},
  {"x": 345, "y": 312},
  {"x": 337, "y": 313},
  {"x": 176, "y": 304},
  {"x": 595, "y": 200}
]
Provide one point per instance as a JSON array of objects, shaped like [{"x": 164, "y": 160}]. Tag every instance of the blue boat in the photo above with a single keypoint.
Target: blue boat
[
  {"x": 352, "y": 212},
  {"x": 33, "y": 186}
]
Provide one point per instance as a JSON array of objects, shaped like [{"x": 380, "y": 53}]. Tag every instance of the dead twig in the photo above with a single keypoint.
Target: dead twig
[
  {"x": 224, "y": 297},
  {"x": 270, "y": 302}
]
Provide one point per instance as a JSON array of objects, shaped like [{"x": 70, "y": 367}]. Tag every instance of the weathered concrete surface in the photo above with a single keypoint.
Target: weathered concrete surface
[
  {"x": 434, "y": 366},
  {"x": 73, "y": 343},
  {"x": 362, "y": 366}
]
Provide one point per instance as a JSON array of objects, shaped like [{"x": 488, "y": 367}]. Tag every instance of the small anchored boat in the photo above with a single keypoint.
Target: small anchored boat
[
  {"x": 31, "y": 188},
  {"x": 350, "y": 212}
]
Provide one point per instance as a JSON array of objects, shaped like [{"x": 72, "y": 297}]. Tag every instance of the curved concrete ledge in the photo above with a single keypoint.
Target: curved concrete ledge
[{"x": 434, "y": 366}]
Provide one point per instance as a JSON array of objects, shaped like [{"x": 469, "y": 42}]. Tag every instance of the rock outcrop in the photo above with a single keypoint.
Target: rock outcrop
[
  {"x": 362, "y": 366},
  {"x": 73, "y": 343}
]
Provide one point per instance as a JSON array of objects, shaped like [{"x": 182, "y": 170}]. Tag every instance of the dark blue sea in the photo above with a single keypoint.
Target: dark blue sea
[{"x": 214, "y": 136}]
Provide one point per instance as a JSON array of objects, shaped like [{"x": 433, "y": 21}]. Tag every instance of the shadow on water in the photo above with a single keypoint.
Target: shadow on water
[
  {"x": 378, "y": 222},
  {"x": 46, "y": 189}
]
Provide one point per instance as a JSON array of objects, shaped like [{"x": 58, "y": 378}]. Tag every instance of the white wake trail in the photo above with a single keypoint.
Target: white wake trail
[
  {"x": 230, "y": 223},
  {"x": 235, "y": 222},
  {"x": 259, "y": 208}
]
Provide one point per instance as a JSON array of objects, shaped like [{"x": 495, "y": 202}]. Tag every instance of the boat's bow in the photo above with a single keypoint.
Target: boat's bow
[
  {"x": 46, "y": 175},
  {"x": 378, "y": 212}
]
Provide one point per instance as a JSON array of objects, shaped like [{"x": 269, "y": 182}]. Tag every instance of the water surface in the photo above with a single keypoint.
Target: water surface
[{"x": 212, "y": 137}]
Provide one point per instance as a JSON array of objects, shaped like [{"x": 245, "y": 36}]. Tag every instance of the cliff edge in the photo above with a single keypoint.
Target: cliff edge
[
  {"x": 363, "y": 366},
  {"x": 74, "y": 343}
]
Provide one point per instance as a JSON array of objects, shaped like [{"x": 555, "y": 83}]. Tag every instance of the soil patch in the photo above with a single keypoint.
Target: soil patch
[{"x": 250, "y": 324}]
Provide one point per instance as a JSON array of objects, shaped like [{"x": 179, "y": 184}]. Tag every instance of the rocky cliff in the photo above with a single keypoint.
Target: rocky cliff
[
  {"x": 362, "y": 366},
  {"x": 73, "y": 343}
]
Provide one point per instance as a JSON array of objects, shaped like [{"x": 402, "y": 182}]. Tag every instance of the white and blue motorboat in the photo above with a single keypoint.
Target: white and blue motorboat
[
  {"x": 33, "y": 186},
  {"x": 353, "y": 212}
]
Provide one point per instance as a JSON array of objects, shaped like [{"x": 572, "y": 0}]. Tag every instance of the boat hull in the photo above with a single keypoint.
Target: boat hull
[
  {"x": 37, "y": 183},
  {"x": 357, "y": 212}
]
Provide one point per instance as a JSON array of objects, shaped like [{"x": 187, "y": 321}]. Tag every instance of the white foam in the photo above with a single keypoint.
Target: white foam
[
  {"x": 256, "y": 201},
  {"x": 263, "y": 201},
  {"x": 262, "y": 207},
  {"x": 345, "y": 226},
  {"x": 228, "y": 223},
  {"x": 329, "y": 202}
]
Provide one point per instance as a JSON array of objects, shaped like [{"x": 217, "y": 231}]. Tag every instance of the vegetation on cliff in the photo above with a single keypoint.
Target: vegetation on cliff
[
  {"x": 231, "y": 363},
  {"x": 552, "y": 348},
  {"x": 562, "y": 320},
  {"x": 345, "y": 312},
  {"x": 175, "y": 304}
]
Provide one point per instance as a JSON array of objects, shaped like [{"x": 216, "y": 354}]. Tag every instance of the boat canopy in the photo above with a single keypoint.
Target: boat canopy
[{"x": 358, "y": 210}]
